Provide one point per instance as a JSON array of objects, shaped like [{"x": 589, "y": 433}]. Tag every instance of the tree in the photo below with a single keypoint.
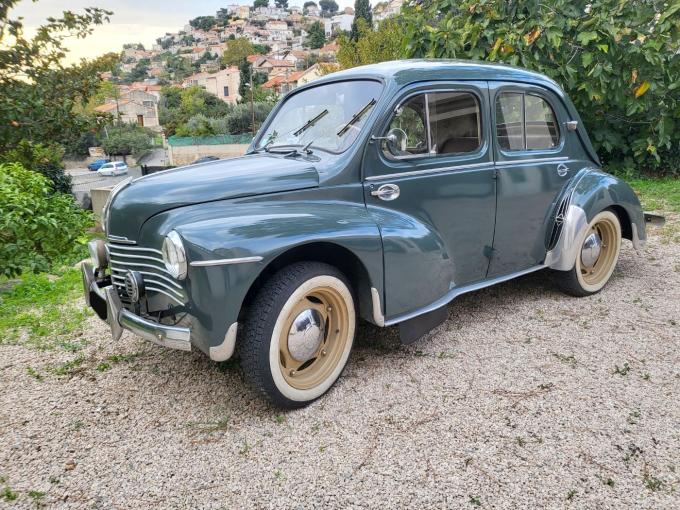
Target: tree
[
  {"x": 42, "y": 99},
  {"x": 204, "y": 23},
  {"x": 309, "y": 4},
  {"x": 245, "y": 71},
  {"x": 362, "y": 11},
  {"x": 127, "y": 139},
  {"x": 45, "y": 159},
  {"x": 328, "y": 7},
  {"x": 178, "y": 105},
  {"x": 260, "y": 3},
  {"x": 618, "y": 62},
  {"x": 387, "y": 42},
  {"x": 316, "y": 36},
  {"x": 237, "y": 50},
  {"x": 281, "y": 4},
  {"x": 139, "y": 72}
]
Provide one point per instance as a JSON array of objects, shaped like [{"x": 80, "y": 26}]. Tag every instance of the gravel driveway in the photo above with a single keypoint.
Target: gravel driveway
[{"x": 525, "y": 398}]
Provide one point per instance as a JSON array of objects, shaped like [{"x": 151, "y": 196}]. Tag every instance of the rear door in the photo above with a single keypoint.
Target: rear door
[
  {"x": 533, "y": 165},
  {"x": 434, "y": 197}
]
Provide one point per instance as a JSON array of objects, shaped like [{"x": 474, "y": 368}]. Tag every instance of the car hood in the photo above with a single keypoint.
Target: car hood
[{"x": 217, "y": 180}]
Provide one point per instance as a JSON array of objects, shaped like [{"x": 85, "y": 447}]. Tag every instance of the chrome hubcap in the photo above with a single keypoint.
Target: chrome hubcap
[
  {"x": 306, "y": 334},
  {"x": 590, "y": 252}
]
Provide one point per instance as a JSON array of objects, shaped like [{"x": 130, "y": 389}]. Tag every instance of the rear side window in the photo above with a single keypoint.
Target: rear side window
[{"x": 525, "y": 122}]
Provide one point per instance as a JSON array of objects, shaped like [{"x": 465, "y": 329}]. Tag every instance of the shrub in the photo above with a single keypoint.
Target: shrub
[
  {"x": 37, "y": 226},
  {"x": 44, "y": 159},
  {"x": 127, "y": 139},
  {"x": 240, "y": 119}
]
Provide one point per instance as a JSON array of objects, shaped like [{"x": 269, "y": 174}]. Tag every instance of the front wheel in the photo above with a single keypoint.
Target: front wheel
[
  {"x": 596, "y": 257},
  {"x": 298, "y": 334}
]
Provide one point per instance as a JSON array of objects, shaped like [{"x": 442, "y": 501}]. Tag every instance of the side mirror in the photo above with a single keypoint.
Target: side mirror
[{"x": 395, "y": 140}]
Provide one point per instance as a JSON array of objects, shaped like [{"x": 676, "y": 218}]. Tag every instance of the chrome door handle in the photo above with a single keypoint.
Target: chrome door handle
[
  {"x": 387, "y": 192},
  {"x": 562, "y": 169}
]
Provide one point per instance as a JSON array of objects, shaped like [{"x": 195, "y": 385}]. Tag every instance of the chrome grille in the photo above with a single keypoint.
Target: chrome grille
[{"x": 149, "y": 263}]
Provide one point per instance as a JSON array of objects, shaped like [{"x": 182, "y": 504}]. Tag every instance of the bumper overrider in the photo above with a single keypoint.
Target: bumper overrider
[{"x": 103, "y": 298}]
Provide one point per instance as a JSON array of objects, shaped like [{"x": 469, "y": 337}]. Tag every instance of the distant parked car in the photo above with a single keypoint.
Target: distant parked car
[
  {"x": 205, "y": 159},
  {"x": 96, "y": 165},
  {"x": 113, "y": 168}
]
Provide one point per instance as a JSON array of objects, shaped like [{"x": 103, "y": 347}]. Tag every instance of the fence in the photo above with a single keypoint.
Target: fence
[{"x": 182, "y": 150}]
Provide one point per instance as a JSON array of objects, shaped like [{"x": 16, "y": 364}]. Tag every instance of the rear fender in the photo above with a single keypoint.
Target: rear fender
[{"x": 588, "y": 193}]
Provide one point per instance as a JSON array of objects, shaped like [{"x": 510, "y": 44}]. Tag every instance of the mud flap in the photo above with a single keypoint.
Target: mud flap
[{"x": 412, "y": 329}]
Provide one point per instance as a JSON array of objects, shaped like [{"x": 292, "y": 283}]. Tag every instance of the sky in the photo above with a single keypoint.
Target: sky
[{"x": 132, "y": 21}]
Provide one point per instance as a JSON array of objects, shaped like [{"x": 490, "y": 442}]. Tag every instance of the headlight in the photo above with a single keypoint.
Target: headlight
[
  {"x": 98, "y": 253},
  {"x": 173, "y": 255},
  {"x": 105, "y": 210}
]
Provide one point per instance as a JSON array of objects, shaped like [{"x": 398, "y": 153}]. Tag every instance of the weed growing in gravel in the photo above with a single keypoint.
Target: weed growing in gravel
[
  {"x": 651, "y": 482},
  {"x": 571, "y": 494},
  {"x": 633, "y": 417},
  {"x": 569, "y": 360},
  {"x": 34, "y": 373},
  {"x": 280, "y": 419},
  {"x": 475, "y": 501},
  {"x": 69, "y": 367},
  {"x": 41, "y": 308},
  {"x": 633, "y": 452},
  {"x": 622, "y": 370},
  {"x": 280, "y": 477},
  {"x": 36, "y": 496},
  {"x": 8, "y": 495}
]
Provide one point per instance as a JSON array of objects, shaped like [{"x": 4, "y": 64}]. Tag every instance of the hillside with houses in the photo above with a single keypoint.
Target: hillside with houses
[{"x": 271, "y": 49}]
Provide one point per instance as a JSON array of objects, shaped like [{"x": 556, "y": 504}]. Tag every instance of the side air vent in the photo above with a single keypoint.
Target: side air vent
[{"x": 558, "y": 221}]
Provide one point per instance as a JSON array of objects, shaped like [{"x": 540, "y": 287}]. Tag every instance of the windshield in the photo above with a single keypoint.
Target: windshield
[{"x": 327, "y": 117}]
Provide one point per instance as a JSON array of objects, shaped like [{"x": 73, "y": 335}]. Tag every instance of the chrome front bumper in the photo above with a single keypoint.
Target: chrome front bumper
[{"x": 106, "y": 303}]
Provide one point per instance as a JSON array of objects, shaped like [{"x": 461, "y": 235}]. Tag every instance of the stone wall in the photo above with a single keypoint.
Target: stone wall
[{"x": 183, "y": 155}]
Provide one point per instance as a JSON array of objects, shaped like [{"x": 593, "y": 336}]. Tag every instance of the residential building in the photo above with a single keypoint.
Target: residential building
[
  {"x": 339, "y": 22},
  {"x": 223, "y": 84},
  {"x": 134, "y": 106}
]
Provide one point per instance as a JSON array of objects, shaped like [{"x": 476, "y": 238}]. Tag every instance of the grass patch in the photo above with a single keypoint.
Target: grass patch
[
  {"x": 658, "y": 194},
  {"x": 40, "y": 310}
]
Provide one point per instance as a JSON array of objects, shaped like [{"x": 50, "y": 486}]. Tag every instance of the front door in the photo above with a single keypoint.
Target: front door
[
  {"x": 532, "y": 165},
  {"x": 432, "y": 192}
]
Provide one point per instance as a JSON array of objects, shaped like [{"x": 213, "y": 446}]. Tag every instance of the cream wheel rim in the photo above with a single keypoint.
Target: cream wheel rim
[
  {"x": 312, "y": 338},
  {"x": 599, "y": 251}
]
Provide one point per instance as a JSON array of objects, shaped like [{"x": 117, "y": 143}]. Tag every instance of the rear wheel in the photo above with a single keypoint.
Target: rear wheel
[
  {"x": 298, "y": 334},
  {"x": 596, "y": 258}
]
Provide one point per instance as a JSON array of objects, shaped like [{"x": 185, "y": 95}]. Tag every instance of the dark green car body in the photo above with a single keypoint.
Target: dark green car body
[{"x": 460, "y": 221}]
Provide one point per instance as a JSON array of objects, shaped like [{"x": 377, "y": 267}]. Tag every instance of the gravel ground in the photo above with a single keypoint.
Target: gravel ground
[{"x": 524, "y": 398}]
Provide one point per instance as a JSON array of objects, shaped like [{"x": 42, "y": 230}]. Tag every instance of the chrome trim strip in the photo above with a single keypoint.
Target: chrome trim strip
[
  {"x": 136, "y": 256},
  {"x": 149, "y": 274},
  {"x": 135, "y": 248},
  {"x": 163, "y": 292},
  {"x": 120, "y": 240},
  {"x": 532, "y": 160},
  {"x": 454, "y": 293},
  {"x": 378, "y": 316},
  {"x": 141, "y": 264},
  {"x": 429, "y": 171},
  {"x": 177, "y": 294},
  {"x": 225, "y": 262},
  {"x": 225, "y": 350},
  {"x": 574, "y": 227}
]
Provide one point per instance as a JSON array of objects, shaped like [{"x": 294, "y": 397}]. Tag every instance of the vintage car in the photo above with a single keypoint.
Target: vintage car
[{"x": 381, "y": 193}]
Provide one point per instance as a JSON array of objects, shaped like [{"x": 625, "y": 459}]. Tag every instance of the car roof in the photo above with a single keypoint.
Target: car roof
[{"x": 403, "y": 72}]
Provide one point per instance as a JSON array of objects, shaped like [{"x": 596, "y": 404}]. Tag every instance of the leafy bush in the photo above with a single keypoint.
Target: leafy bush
[
  {"x": 127, "y": 139},
  {"x": 618, "y": 61},
  {"x": 240, "y": 119},
  {"x": 37, "y": 226},
  {"x": 44, "y": 159}
]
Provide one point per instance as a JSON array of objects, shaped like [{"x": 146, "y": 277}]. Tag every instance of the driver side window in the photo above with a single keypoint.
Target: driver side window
[{"x": 409, "y": 123}]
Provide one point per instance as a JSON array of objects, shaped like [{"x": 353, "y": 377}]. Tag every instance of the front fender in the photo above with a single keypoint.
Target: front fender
[
  {"x": 590, "y": 192},
  {"x": 230, "y": 230}
]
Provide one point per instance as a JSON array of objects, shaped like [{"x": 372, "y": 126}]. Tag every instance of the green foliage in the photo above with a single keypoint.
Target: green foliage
[
  {"x": 362, "y": 11},
  {"x": 316, "y": 35},
  {"x": 260, "y": 3},
  {"x": 126, "y": 139},
  {"x": 237, "y": 50},
  {"x": 40, "y": 96},
  {"x": 240, "y": 119},
  {"x": 658, "y": 194},
  {"x": 42, "y": 309},
  {"x": 139, "y": 72},
  {"x": 37, "y": 226},
  {"x": 372, "y": 46},
  {"x": 328, "y": 7},
  {"x": 245, "y": 72},
  {"x": 203, "y": 22},
  {"x": 44, "y": 159},
  {"x": 618, "y": 61},
  {"x": 281, "y": 4},
  {"x": 179, "y": 105}
]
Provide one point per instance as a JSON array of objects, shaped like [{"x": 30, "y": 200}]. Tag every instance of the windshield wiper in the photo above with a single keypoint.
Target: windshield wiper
[
  {"x": 290, "y": 151},
  {"x": 355, "y": 118},
  {"x": 310, "y": 123}
]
